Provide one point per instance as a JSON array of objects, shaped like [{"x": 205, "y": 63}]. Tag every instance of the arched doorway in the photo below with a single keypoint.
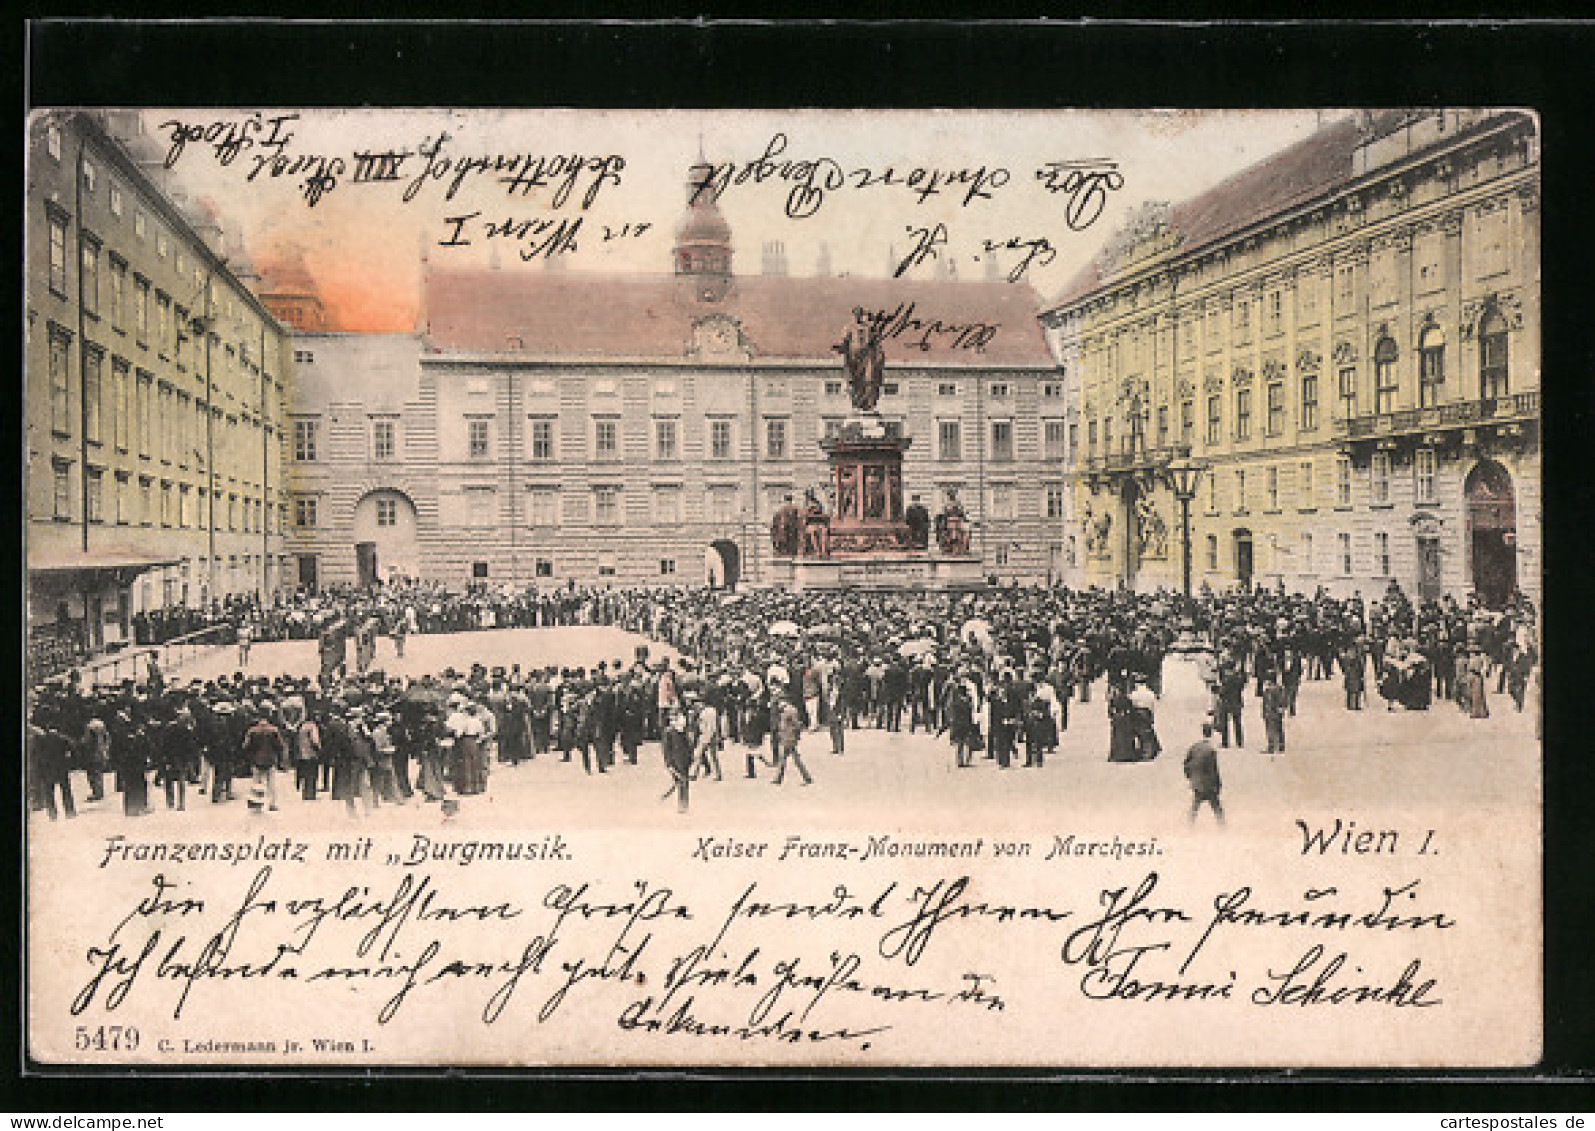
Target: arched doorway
[
  {"x": 722, "y": 563},
  {"x": 385, "y": 545},
  {"x": 1243, "y": 557},
  {"x": 1131, "y": 525},
  {"x": 1492, "y": 533}
]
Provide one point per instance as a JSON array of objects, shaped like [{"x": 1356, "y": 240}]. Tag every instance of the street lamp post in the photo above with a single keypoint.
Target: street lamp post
[{"x": 1184, "y": 474}]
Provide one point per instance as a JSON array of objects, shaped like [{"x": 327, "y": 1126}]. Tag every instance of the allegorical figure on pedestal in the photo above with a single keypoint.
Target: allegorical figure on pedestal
[
  {"x": 865, "y": 358},
  {"x": 816, "y": 528},
  {"x": 952, "y": 526},
  {"x": 786, "y": 529},
  {"x": 1152, "y": 530}
]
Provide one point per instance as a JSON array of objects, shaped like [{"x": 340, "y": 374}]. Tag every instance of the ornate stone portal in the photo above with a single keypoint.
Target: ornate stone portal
[{"x": 870, "y": 540}]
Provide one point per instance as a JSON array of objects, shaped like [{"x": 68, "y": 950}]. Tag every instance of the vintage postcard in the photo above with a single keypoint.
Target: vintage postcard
[{"x": 803, "y": 589}]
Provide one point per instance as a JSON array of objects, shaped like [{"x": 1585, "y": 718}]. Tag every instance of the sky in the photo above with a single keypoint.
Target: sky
[{"x": 288, "y": 184}]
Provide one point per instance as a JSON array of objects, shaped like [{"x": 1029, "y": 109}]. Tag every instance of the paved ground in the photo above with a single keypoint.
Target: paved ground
[{"x": 1374, "y": 758}]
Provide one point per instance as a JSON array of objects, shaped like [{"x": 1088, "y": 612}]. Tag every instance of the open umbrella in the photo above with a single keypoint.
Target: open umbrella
[
  {"x": 916, "y": 647},
  {"x": 784, "y": 628},
  {"x": 977, "y": 631}
]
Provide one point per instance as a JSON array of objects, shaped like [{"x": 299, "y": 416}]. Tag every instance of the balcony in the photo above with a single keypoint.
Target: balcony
[
  {"x": 1134, "y": 461},
  {"x": 1515, "y": 408}
]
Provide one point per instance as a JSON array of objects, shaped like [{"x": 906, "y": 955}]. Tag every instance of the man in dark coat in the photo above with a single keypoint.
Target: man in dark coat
[{"x": 1201, "y": 770}]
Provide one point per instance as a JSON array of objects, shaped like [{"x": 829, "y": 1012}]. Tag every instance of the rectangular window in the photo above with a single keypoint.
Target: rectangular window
[
  {"x": 1385, "y": 387},
  {"x": 163, "y": 324},
  {"x": 1002, "y": 439},
  {"x": 1343, "y": 481},
  {"x": 833, "y": 388},
  {"x": 1381, "y": 545},
  {"x": 58, "y": 254},
  {"x": 665, "y": 445},
  {"x": 116, "y": 199},
  {"x": 1309, "y": 402},
  {"x": 477, "y": 438},
  {"x": 1306, "y": 551},
  {"x": 479, "y": 506},
  {"x": 722, "y": 504},
  {"x": 1243, "y": 414},
  {"x": 1273, "y": 488},
  {"x": 1345, "y": 554},
  {"x": 1240, "y": 490},
  {"x": 387, "y": 512},
  {"x": 947, "y": 389},
  {"x": 1348, "y": 392},
  {"x": 1304, "y": 486},
  {"x": 1212, "y": 552},
  {"x": 999, "y": 390},
  {"x": 667, "y": 506},
  {"x": 61, "y": 480},
  {"x": 89, "y": 276},
  {"x": 949, "y": 440},
  {"x": 382, "y": 434},
  {"x": 719, "y": 439},
  {"x": 1107, "y": 434},
  {"x": 606, "y": 506},
  {"x": 146, "y": 394},
  {"x": 544, "y": 567},
  {"x": 60, "y": 382},
  {"x": 1052, "y": 391},
  {"x": 542, "y": 438},
  {"x": 606, "y": 437},
  {"x": 1431, "y": 375},
  {"x": 1054, "y": 500},
  {"x": 305, "y": 434},
  {"x": 1052, "y": 434},
  {"x": 544, "y": 506},
  {"x": 141, "y": 310},
  {"x": 166, "y": 505},
  {"x": 118, "y": 294},
  {"x": 1493, "y": 377},
  {"x": 1215, "y": 419},
  {"x": 1276, "y": 409},
  {"x": 120, "y": 499},
  {"x": 1187, "y": 421},
  {"x": 1276, "y": 311},
  {"x": 1379, "y": 478},
  {"x": 1423, "y": 464},
  {"x": 775, "y": 438},
  {"x": 1002, "y": 501},
  {"x": 606, "y": 565},
  {"x": 121, "y": 403},
  {"x": 667, "y": 567},
  {"x": 1162, "y": 425},
  {"x": 95, "y": 489}
]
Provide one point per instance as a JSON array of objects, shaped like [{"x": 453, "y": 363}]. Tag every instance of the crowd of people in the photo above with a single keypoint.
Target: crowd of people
[{"x": 994, "y": 673}]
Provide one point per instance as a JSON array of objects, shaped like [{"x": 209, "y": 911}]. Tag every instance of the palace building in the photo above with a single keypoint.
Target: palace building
[
  {"x": 153, "y": 398},
  {"x": 545, "y": 425},
  {"x": 1339, "y": 350}
]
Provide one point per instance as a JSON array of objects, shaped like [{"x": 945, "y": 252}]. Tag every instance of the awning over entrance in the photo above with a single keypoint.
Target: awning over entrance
[{"x": 123, "y": 568}]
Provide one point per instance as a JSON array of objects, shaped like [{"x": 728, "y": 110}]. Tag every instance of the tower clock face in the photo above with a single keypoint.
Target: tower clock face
[{"x": 717, "y": 337}]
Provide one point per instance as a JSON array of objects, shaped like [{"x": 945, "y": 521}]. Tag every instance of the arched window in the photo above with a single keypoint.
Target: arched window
[
  {"x": 1431, "y": 366},
  {"x": 1384, "y": 371},
  {"x": 1493, "y": 381}
]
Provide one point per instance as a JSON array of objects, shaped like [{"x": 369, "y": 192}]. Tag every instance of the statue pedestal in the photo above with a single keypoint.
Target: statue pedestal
[
  {"x": 871, "y": 542},
  {"x": 882, "y": 571},
  {"x": 867, "y": 483}
]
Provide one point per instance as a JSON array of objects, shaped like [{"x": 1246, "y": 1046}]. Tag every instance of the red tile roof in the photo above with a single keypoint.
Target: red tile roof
[
  {"x": 1313, "y": 167},
  {"x": 587, "y": 314}
]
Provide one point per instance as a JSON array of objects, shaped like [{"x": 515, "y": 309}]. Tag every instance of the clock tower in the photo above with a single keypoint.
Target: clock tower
[{"x": 703, "y": 238}]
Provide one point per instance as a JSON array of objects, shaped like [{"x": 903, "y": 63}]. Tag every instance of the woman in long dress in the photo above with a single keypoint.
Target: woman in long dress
[{"x": 1121, "y": 727}]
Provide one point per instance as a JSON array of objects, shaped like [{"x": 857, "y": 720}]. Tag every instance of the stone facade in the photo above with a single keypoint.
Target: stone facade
[
  {"x": 1346, "y": 339},
  {"x": 153, "y": 396}
]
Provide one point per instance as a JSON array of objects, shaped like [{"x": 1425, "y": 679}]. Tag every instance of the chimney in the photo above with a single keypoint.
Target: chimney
[
  {"x": 774, "y": 260},
  {"x": 822, "y": 265}
]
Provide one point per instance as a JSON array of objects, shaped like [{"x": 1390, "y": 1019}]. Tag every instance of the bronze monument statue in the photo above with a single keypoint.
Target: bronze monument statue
[{"x": 865, "y": 358}]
